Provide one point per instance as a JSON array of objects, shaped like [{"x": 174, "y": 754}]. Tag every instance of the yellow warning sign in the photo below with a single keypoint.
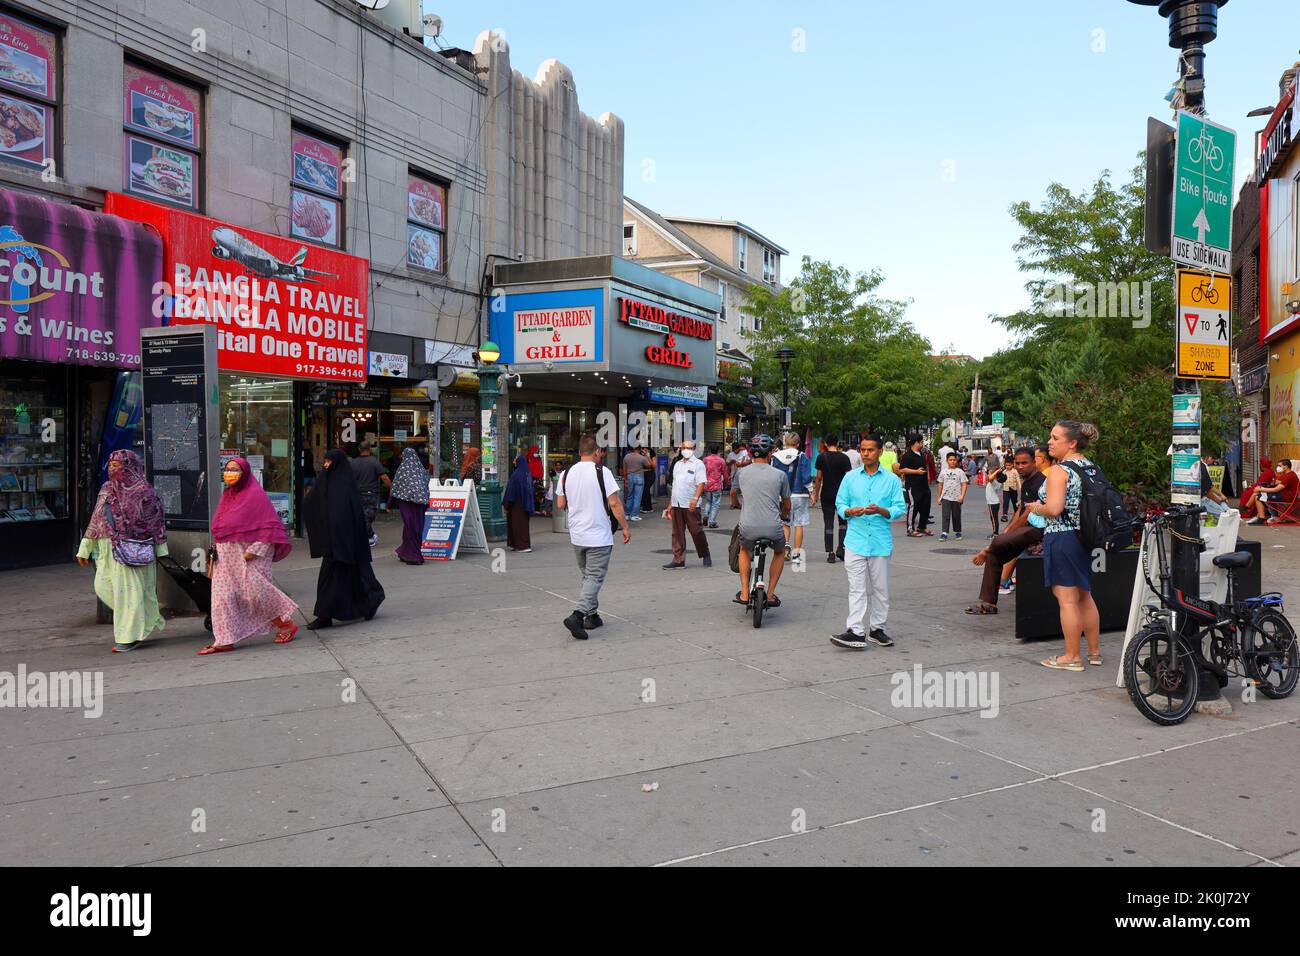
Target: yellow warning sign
[{"x": 1204, "y": 325}]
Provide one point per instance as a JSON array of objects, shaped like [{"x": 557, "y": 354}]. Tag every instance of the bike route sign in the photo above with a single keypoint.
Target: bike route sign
[
  {"x": 1204, "y": 326},
  {"x": 1202, "y": 218}
]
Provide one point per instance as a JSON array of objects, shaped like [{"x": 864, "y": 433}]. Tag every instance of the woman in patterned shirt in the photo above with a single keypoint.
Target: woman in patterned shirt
[{"x": 1067, "y": 566}]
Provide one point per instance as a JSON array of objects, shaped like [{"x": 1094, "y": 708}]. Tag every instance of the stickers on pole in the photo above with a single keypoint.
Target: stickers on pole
[{"x": 1204, "y": 326}]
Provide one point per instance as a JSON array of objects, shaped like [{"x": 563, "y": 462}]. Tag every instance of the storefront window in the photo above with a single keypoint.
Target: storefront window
[
  {"x": 257, "y": 423},
  {"x": 163, "y": 119},
  {"x": 317, "y": 190},
  {"x": 33, "y": 450}
]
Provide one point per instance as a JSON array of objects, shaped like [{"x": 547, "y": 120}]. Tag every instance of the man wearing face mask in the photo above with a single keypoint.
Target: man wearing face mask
[
  {"x": 1281, "y": 494},
  {"x": 689, "y": 477}
]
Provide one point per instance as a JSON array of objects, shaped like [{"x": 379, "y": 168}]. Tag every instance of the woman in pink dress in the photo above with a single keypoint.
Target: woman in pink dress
[{"x": 249, "y": 536}]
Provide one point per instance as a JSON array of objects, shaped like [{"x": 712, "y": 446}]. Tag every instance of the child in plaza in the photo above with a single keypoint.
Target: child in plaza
[{"x": 952, "y": 494}]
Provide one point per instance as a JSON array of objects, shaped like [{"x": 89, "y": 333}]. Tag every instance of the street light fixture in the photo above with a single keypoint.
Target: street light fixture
[
  {"x": 1192, "y": 24},
  {"x": 785, "y": 355},
  {"x": 489, "y": 492}
]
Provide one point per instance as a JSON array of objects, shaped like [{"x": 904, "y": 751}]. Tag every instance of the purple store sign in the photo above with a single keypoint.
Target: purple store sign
[{"x": 76, "y": 287}]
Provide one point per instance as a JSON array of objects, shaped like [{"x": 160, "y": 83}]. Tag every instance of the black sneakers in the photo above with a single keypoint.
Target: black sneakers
[
  {"x": 671, "y": 566},
  {"x": 708, "y": 561},
  {"x": 850, "y": 640},
  {"x": 830, "y": 557},
  {"x": 592, "y": 621},
  {"x": 574, "y": 622},
  {"x": 878, "y": 636}
]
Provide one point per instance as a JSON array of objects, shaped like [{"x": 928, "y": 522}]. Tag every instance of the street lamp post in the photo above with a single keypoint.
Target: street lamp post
[
  {"x": 1192, "y": 24},
  {"x": 489, "y": 491},
  {"x": 785, "y": 355}
]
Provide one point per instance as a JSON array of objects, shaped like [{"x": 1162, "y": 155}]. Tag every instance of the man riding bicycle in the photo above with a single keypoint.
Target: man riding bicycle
[{"x": 765, "y": 503}]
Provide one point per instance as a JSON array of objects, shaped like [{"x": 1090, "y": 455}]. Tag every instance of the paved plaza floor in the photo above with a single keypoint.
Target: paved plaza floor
[{"x": 464, "y": 726}]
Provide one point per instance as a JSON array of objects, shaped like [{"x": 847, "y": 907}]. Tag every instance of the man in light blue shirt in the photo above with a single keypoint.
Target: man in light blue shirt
[{"x": 869, "y": 499}]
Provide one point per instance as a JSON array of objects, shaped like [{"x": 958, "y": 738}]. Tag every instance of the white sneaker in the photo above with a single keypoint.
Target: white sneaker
[{"x": 374, "y": 540}]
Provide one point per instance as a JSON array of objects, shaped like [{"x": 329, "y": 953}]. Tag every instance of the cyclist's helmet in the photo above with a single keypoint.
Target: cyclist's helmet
[{"x": 760, "y": 446}]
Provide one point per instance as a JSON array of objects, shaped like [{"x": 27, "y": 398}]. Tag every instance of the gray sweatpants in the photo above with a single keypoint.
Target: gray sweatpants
[{"x": 594, "y": 565}]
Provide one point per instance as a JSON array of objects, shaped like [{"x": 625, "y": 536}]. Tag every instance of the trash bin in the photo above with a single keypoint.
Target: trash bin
[{"x": 560, "y": 521}]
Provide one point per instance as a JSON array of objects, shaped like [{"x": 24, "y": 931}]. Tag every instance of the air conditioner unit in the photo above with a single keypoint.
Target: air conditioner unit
[{"x": 725, "y": 345}]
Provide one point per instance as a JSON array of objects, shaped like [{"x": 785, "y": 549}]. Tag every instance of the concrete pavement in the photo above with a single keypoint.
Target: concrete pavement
[{"x": 463, "y": 726}]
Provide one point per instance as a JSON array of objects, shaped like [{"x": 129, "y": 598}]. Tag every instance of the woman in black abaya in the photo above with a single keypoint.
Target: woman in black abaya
[{"x": 336, "y": 531}]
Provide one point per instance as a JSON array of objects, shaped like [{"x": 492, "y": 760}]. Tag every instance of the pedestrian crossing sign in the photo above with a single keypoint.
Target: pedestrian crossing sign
[{"x": 1204, "y": 325}]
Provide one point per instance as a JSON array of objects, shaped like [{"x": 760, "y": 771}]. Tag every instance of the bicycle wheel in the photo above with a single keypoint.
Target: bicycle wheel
[
  {"x": 1268, "y": 646},
  {"x": 1212, "y": 296},
  {"x": 759, "y": 597},
  {"x": 1163, "y": 691},
  {"x": 1197, "y": 292}
]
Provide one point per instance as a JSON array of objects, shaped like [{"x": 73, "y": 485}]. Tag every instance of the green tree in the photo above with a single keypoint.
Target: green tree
[
  {"x": 1079, "y": 353},
  {"x": 858, "y": 363}
]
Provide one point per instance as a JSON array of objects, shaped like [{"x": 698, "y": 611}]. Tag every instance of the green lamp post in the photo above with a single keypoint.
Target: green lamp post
[{"x": 489, "y": 492}]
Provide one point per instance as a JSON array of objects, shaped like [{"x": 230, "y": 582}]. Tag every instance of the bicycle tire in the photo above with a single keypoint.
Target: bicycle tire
[
  {"x": 759, "y": 597},
  {"x": 1144, "y": 662},
  {"x": 1282, "y": 639},
  {"x": 1197, "y": 293}
]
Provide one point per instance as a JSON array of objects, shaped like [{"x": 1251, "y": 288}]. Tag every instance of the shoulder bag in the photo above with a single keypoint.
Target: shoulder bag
[{"x": 129, "y": 551}]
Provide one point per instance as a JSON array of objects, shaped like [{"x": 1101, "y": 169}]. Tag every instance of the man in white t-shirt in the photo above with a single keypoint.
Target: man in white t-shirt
[
  {"x": 589, "y": 507},
  {"x": 737, "y": 459}
]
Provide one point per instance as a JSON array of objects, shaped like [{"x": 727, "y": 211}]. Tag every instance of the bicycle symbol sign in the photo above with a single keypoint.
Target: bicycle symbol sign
[
  {"x": 1204, "y": 331},
  {"x": 1202, "y": 215}
]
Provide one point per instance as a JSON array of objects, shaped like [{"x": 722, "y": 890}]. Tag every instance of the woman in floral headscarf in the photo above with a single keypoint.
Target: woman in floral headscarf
[
  {"x": 126, "y": 511},
  {"x": 249, "y": 536},
  {"x": 411, "y": 492}
]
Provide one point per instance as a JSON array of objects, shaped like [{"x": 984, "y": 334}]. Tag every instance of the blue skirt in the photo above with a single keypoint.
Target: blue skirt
[{"x": 1065, "y": 561}]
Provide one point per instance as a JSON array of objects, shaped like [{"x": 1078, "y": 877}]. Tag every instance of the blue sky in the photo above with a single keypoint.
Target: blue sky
[{"x": 902, "y": 133}]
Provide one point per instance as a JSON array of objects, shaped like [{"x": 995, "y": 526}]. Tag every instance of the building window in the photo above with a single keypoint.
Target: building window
[
  {"x": 29, "y": 90},
  {"x": 769, "y": 266},
  {"x": 316, "y": 189},
  {"x": 722, "y": 294},
  {"x": 163, "y": 119},
  {"x": 426, "y": 224},
  {"x": 742, "y": 247},
  {"x": 629, "y": 239}
]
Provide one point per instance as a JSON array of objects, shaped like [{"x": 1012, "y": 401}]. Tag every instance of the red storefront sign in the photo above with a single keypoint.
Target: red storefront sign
[{"x": 280, "y": 307}]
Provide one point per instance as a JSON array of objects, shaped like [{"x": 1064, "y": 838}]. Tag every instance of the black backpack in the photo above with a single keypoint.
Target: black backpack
[{"x": 1103, "y": 521}]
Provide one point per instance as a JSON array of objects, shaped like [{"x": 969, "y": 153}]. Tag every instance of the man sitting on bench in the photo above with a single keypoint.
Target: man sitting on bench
[
  {"x": 1020, "y": 535},
  {"x": 1277, "y": 498}
]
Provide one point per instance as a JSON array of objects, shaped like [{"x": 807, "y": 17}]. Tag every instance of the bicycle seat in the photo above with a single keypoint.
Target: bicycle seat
[
  {"x": 763, "y": 542},
  {"x": 1235, "y": 561}
]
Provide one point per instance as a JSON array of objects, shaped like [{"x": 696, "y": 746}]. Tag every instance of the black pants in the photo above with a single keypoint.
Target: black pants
[
  {"x": 828, "y": 513},
  {"x": 921, "y": 507}
]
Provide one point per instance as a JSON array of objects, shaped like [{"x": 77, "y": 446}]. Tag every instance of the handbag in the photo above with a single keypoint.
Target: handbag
[{"x": 129, "y": 551}]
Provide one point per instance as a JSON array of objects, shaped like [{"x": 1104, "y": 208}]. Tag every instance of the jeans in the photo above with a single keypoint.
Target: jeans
[
  {"x": 594, "y": 565},
  {"x": 369, "y": 505},
  {"x": 710, "y": 505},
  {"x": 632, "y": 494},
  {"x": 830, "y": 517}
]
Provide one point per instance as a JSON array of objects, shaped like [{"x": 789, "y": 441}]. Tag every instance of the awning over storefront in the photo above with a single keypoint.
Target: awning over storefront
[
  {"x": 605, "y": 318},
  {"x": 281, "y": 307},
  {"x": 76, "y": 287}
]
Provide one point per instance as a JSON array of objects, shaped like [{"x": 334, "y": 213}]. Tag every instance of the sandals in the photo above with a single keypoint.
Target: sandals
[
  {"x": 286, "y": 634},
  {"x": 773, "y": 601},
  {"x": 216, "y": 649},
  {"x": 1094, "y": 660},
  {"x": 982, "y": 608},
  {"x": 739, "y": 600},
  {"x": 1055, "y": 663}
]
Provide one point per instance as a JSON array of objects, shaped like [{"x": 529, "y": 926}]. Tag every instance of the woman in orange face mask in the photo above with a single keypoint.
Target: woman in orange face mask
[{"x": 249, "y": 537}]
